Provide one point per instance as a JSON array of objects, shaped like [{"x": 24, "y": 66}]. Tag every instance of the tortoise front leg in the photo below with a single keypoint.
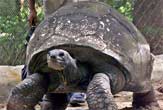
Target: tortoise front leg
[
  {"x": 27, "y": 93},
  {"x": 99, "y": 96}
]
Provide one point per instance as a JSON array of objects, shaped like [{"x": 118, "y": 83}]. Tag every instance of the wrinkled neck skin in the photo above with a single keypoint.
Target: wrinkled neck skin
[
  {"x": 71, "y": 66},
  {"x": 74, "y": 72}
]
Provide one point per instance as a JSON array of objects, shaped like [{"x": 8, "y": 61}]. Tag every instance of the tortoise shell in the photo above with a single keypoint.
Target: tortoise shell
[{"x": 96, "y": 33}]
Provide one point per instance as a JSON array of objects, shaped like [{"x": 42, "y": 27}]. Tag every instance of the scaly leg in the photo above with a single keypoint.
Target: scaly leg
[
  {"x": 99, "y": 94},
  {"x": 28, "y": 93}
]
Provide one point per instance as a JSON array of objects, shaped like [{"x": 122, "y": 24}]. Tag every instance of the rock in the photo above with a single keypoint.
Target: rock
[
  {"x": 157, "y": 73},
  {"x": 9, "y": 77}
]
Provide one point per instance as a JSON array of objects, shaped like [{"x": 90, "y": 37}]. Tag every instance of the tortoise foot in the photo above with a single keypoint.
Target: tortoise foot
[
  {"x": 145, "y": 101},
  {"x": 99, "y": 96}
]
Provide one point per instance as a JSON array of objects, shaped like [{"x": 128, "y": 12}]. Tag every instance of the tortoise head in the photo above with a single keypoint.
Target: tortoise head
[{"x": 58, "y": 59}]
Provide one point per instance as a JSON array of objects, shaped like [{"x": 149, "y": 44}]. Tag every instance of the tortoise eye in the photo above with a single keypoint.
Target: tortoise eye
[{"x": 61, "y": 54}]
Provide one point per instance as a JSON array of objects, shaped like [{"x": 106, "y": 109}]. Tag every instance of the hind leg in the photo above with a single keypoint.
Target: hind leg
[
  {"x": 145, "y": 101},
  {"x": 54, "y": 101},
  {"x": 99, "y": 96}
]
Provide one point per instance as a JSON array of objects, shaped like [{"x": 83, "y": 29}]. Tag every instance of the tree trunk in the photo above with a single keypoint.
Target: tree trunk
[{"x": 148, "y": 17}]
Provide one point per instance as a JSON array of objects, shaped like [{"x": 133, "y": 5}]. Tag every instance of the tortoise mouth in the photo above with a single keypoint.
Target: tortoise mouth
[{"x": 55, "y": 63}]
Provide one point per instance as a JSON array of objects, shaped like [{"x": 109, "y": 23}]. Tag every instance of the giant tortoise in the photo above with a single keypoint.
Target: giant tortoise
[{"x": 86, "y": 47}]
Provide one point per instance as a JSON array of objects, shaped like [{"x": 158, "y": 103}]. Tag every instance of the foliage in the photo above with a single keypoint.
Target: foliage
[
  {"x": 125, "y": 7},
  {"x": 13, "y": 31},
  {"x": 8, "y": 6}
]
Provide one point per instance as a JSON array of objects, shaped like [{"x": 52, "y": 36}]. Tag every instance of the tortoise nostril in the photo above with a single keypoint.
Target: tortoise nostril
[
  {"x": 52, "y": 55},
  {"x": 61, "y": 54},
  {"x": 49, "y": 53}
]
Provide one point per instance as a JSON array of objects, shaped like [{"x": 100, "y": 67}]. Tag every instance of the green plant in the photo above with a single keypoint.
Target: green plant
[
  {"x": 13, "y": 31},
  {"x": 125, "y": 7}
]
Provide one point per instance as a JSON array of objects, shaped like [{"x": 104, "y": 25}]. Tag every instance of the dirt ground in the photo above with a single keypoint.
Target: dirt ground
[{"x": 123, "y": 99}]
